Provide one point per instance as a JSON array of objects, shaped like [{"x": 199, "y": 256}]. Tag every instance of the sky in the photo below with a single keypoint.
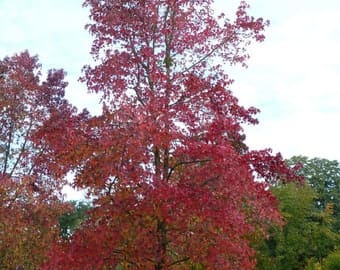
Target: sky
[{"x": 293, "y": 77}]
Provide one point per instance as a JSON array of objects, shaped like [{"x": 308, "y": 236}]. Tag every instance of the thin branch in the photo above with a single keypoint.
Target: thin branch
[
  {"x": 8, "y": 147},
  {"x": 139, "y": 97},
  {"x": 185, "y": 259},
  {"x": 157, "y": 161},
  {"x": 39, "y": 154},
  {"x": 211, "y": 179},
  {"x": 23, "y": 148},
  {"x": 186, "y": 163},
  {"x": 203, "y": 58},
  {"x": 191, "y": 162}
]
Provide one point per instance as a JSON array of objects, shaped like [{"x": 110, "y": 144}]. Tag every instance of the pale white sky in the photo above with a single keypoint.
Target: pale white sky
[{"x": 293, "y": 77}]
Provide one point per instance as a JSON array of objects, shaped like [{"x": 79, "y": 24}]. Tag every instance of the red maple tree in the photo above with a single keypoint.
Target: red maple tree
[
  {"x": 26, "y": 103},
  {"x": 173, "y": 181},
  {"x": 29, "y": 192}
]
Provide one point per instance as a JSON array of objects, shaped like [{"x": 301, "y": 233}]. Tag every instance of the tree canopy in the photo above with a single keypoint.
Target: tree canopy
[
  {"x": 173, "y": 180},
  {"x": 323, "y": 176},
  {"x": 307, "y": 236},
  {"x": 29, "y": 192}
]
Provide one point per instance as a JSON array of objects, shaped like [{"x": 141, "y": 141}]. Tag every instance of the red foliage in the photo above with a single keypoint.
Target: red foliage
[
  {"x": 29, "y": 193},
  {"x": 173, "y": 181},
  {"x": 26, "y": 103}
]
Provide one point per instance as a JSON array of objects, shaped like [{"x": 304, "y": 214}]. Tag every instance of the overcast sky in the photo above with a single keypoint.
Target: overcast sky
[{"x": 293, "y": 77}]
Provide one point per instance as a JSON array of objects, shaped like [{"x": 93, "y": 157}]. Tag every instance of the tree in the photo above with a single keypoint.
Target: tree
[
  {"x": 26, "y": 103},
  {"x": 71, "y": 220},
  {"x": 29, "y": 193},
  {"x": 332, "y": 261},
  {"x": 166, "y": 161},
  {"x": 28, "y": 225},
  {"x": 307, "y": 237},
  {"x": 323, "y": 176}
]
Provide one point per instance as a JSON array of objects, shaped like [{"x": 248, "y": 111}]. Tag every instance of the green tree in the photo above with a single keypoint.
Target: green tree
[
  {"x": 307, "y": 235},
  {"x": 332, "y": 262},
  {"x": 323, "y": 176},
  {"x": 70, "y": 221}
]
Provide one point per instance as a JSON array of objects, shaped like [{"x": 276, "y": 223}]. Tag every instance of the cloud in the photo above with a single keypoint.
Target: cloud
[
  {"x": 294, "y": 78},
  {"x": 55, "y": 31},
  {"x": 304, "y": 134}
]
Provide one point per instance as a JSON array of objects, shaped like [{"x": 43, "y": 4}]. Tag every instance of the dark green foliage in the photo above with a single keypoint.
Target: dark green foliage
[
  {"x": 324, "y": 177},
  {"x": 307, "y": 235},
  {"x": 310, "y": 236},
  {"x": 72, "y": 220},
  {"x": 332, "y": 262}
]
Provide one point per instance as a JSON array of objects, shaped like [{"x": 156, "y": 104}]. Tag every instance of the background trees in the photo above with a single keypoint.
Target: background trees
[
  {"x": 323, "y": 176},
  {"x": 310, "y": 236},
  {"x": 29, "y": 191},
  {"x": 27, "y": 105},
  {"x": 307, "y": 236},
  {"x": 72, "y": 219}
]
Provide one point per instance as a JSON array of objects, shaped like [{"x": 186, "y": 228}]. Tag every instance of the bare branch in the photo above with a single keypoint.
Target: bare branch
[
  {"x": 23, "y": 148},
  {"x": 209, "y": 54},
  {"x": 185, "y": 259}
]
